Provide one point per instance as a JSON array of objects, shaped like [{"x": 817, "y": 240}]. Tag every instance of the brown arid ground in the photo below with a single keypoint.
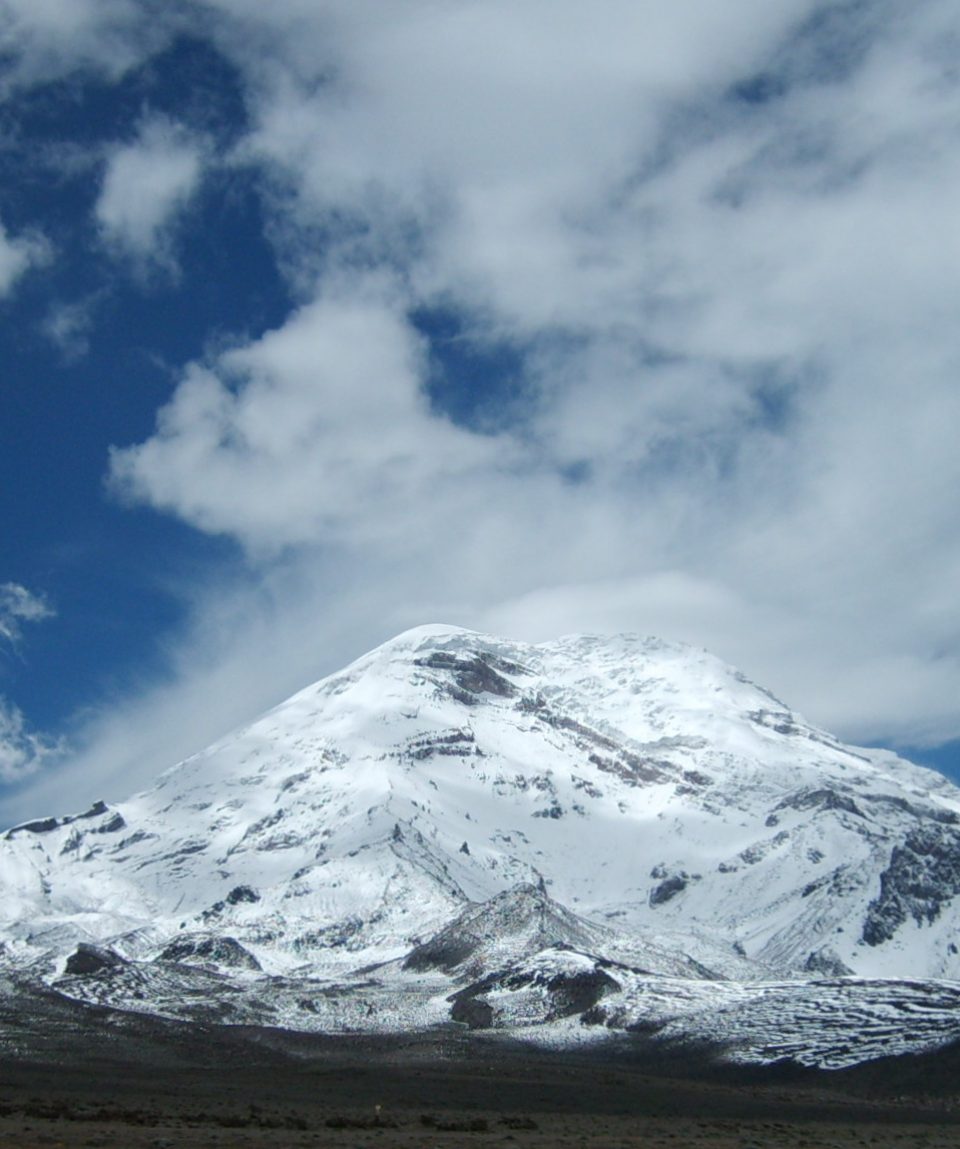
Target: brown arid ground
[{"x": 92, "y": 1078}]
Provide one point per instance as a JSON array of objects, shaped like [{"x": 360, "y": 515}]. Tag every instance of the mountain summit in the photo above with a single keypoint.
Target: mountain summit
[{"x": 454, "y": 805}]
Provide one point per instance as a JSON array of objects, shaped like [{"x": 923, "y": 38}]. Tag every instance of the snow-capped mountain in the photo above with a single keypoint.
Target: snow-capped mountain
[{"x": 453, "y": 807}]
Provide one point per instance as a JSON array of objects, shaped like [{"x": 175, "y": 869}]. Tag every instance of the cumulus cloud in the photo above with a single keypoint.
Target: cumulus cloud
[
  {"x": 730, "y": 303},
  {"x": 146, "y": 184},
  {"x": 317, "y": 430},
  {"x": 719, "y": 244}
]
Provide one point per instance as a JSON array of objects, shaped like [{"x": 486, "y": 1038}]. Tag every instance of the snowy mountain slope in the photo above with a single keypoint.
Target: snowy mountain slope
[
  {"x": 649, "y": 786},
  {"x": 453, "y": 803},
  {"x": 560, "y": 995}
]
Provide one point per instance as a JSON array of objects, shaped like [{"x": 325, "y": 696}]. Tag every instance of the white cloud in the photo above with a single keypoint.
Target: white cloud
[
  {"x": 737, "y": 398},
  {"x": 42, "y": 40},
  {"x": 735, "y": 320},
  {"x": 317, "y": 430},
  {"x": 499, "y": 129},
  {"x": 18, "y": 606},
  {"x": 17, "y": 255},
  {"x": 22, "y": 752},
  {"x": 68, "y": 325},
  {"x": 146, "y": 185}
]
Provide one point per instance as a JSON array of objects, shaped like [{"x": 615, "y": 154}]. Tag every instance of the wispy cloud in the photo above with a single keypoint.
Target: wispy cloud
[
  {"x": 18, "y": 606},
  {"x": 43, "y": 40},
  {"x": 22, "y": 750},
  {"x": 68, "y": 326},
  {"x": 18, "y": 254}
]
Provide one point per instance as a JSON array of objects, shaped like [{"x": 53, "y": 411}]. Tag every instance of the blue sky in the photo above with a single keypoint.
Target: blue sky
[{"x": 326, "y": 320}]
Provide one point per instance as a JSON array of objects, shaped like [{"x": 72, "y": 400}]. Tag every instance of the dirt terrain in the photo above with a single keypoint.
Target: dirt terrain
[{"x": 72, "y": 1077}]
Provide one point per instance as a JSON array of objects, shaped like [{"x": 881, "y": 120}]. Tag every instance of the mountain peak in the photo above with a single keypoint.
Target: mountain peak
[{"x": 616, "y": 794}]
